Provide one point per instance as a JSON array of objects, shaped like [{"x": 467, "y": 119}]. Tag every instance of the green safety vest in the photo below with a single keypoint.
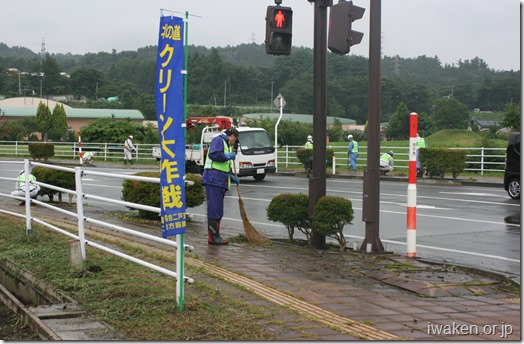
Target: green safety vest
[
  {"x": 309, "y": 145},
  {"x": 221, "y": 166},
  {"x": 21, "y": 180},
  {"x": 385, "y": 157},
  {"x": 421, "y": 143},
  {"x": 355, "y": 147}
]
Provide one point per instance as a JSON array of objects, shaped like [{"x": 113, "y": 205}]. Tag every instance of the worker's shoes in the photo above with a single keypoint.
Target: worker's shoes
[{"x": 213, "y": 233}]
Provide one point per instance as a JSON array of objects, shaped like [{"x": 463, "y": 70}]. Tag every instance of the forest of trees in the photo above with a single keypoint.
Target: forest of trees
[{"x": 242, "y": 77}]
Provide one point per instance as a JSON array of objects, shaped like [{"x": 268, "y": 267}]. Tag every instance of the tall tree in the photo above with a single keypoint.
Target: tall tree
[
  {"x": 512, "y": 117},
  {"x": 398, "y": 126},
  {"x": 450, "y": 114},
  {"x": 43, "y": 119},
  {"x": 58, "y": 123}
]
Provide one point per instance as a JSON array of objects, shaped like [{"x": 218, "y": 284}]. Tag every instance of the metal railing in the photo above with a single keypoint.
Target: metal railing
[
  {"x": 70, "y": 150},
  {"x": 478, "y": 159},
  {"x": 82, "y": 218}
]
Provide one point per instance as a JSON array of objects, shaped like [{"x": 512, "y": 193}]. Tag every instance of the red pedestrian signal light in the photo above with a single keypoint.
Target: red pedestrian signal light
[{"x": 279, "y": 24}]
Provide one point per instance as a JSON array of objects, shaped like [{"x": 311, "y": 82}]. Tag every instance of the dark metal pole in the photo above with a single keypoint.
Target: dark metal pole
[
  {"x": 317, "y": 184},
  {"x": 371, "y": 196}
]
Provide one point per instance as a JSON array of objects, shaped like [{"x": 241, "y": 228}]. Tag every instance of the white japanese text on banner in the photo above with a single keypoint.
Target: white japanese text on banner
[{"x": 170, "y": 117}]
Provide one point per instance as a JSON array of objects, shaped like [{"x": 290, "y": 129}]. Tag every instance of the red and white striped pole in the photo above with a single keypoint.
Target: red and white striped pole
[
  {"x": 411, "y": 225},
  {"x": 80, "y": 148}
]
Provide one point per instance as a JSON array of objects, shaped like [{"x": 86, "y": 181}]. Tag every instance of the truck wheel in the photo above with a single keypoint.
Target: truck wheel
[{"x": 259, "y": 177}]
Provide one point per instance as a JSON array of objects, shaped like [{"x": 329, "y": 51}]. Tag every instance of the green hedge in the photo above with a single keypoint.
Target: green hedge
[
  {"x": 439, "y": 161},
  {"x": 54, "y": 177},
  {"x": 292, "y": 211},
  {"x": 149, "y": 193},
  {"x": 303, "y": 155},
  {"x": 41, "y": 151},
  {"x": 331, "y": 214}
]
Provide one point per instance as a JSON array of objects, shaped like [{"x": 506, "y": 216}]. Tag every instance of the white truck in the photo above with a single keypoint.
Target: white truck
[{"x": 255, "y": 155}]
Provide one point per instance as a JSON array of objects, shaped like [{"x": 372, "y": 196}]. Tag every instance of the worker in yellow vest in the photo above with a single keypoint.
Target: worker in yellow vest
[
  {"x": 353, "y": 152},
  {"x": 387, "y": 162},
  {"x": 308, "y": 166},
  {"x": 20, "y": 187},
  {"x": 420, "y": 143},
  {"x": 217, "y": 178}
]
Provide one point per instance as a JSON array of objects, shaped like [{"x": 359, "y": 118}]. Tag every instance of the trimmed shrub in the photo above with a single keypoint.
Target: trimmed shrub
[
  {"x": 292, "y": 211},
  {"x": 330, "y": 215},
  {"x": 149, "y": 193},
  {"x": 303, "y": 155},
  {"x": 54, "y": 177},
  {"x": 39, "y": 150},
  {"x": 439, "y": 161}
]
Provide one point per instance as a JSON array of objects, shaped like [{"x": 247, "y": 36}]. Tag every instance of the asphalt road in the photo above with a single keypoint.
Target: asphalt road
[{"x": 474, "y": 226}]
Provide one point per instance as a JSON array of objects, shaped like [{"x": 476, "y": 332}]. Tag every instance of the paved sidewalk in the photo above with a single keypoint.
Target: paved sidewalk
[{"x": 403, "y": 297}]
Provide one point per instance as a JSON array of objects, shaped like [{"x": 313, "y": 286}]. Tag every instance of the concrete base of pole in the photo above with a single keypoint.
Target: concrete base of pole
[{"x": 75, "y": 253}]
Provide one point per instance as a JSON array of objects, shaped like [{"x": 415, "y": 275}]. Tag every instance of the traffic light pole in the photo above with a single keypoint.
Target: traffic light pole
[
  {"x": 371, "y": 196},
  {"x": 317, "y": 184}
]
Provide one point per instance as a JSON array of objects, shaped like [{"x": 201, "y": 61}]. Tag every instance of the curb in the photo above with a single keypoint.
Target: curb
[{"x": 426, "y": 181}]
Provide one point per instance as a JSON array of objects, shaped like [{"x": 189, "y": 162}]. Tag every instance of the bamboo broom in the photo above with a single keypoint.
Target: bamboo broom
[{"x": 252, "y": 235}]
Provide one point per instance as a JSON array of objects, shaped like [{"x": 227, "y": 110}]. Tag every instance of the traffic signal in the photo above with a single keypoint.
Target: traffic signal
[
  {"x": 279, "y": 24},
  {"x": 341, "y": 37}
]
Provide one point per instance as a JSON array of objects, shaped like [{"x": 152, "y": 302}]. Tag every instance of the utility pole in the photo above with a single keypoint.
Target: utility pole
[
  {"x": 317, "y": 183},
  {"x": 371, "y": 196}
]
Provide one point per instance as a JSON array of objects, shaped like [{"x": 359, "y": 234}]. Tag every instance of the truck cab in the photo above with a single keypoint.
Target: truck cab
[{"x": 256, "y": 153}]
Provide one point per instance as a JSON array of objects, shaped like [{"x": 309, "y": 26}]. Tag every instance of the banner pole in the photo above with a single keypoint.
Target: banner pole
[{"x": 180, "y": 237}]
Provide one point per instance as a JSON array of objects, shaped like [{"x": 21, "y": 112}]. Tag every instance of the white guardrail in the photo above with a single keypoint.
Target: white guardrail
[
  {"x": 478, "y": 159},
  {"x": 82, "y": 219}
]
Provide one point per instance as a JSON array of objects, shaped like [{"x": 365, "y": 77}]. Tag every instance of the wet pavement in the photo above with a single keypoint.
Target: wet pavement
[{"x": 403, "y": 298}]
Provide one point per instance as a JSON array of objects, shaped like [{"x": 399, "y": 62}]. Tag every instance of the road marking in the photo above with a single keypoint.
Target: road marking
[
  {"x": 471, "y": 194},
  {"x": 443, "y": 249}
]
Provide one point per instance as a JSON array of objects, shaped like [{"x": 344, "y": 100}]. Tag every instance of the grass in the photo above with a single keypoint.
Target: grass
[{"x": 138, "y": 302}]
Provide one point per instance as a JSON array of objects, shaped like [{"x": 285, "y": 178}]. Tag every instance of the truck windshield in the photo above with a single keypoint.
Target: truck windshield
[{"x": 255, "y": 142}]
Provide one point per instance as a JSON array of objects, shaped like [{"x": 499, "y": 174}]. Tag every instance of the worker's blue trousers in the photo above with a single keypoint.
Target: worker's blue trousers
[{"x": 215, "y": 201}]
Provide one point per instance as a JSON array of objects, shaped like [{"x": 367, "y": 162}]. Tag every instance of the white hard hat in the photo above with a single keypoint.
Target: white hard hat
[
  {"x": 131, "y": 137},
  {"x": 350, "y": 136},
  {"x": 309, "y": 137}
]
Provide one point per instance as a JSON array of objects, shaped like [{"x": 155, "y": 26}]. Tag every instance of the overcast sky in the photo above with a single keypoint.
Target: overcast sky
[{"x": 453, "y": 30}]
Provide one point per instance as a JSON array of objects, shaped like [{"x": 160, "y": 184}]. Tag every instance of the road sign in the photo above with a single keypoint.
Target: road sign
[{"x": 277, "y": 101}]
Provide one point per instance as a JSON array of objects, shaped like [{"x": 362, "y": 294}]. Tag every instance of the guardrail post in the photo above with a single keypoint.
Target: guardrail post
[
  {"x": 29, "y": 229},
  {"x": 287, "y": 156},
  {"x": 334, "y": 163},
  {"x": 482, "y": 161},
  {"x": 80, "y": 210}
]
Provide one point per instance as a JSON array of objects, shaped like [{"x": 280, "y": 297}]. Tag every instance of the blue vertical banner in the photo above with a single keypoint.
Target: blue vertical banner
[{"x": 170, "y": 117}]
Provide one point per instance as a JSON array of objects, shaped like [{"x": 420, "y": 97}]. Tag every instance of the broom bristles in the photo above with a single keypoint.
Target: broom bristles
[{"x": 252, "y": 235}]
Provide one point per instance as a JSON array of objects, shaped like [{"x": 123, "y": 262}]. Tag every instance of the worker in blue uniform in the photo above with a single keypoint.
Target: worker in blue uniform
[{"x": 217, "y": 179}]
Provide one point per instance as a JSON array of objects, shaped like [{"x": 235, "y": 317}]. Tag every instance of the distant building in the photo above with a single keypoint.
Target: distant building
[
  {"x": 16, "y": 108},
  {"x": 484, "y": 125},
  {"x": 300, "y": 118}
]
